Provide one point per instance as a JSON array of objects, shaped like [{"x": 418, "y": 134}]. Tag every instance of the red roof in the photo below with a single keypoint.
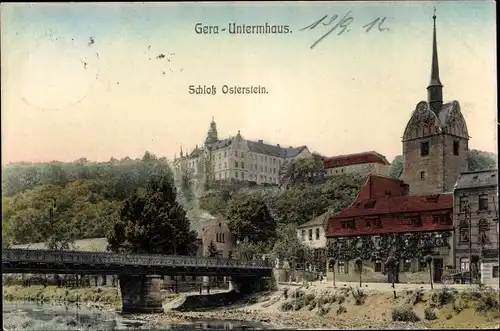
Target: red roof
[
  {"x": 388, "y": 200},
  {"x": 352, "y": 159},
  {"x": 394, "y": 205}
]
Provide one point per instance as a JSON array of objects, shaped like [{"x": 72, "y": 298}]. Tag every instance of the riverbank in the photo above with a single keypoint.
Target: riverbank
[{"x": 318, "y": 306}]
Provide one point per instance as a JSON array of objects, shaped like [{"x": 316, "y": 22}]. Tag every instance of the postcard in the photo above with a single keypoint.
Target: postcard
[{"x": 312, "y": 162}]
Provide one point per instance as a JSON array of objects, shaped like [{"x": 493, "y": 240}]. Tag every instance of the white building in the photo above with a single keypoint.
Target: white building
[
  {"x": 236, "y": 159},
  {"x": 312, "y": 233}
]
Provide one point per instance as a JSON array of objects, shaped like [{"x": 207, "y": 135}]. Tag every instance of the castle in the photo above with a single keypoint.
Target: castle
[{"x": 235, "y": 159}]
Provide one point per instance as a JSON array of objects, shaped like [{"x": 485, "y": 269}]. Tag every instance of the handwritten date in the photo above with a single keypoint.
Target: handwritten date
[{"x": 342, "y": 25}]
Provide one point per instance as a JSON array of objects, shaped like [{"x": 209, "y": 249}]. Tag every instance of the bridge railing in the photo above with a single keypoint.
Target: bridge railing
[{"x": 48, "y": 256}]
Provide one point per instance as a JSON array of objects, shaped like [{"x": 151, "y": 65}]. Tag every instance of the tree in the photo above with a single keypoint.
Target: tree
[
  {"x": 250, "y": 218},
  {"x": 288, "y": 247},
  {"x": 304, "y": 170},
  {"x": 212, "y": 250},
  {"x": 359, "y": 268},
  {"x": 479, "y": 160},
  {"x": 474, "y": 267},
  {"x": 428, "y": 260},
  {"x": 397, "y": 167},
  {"x": 392, "y": 264},
  {"x": 246, "y": 250},
  {"x": 153, "y": 222}
]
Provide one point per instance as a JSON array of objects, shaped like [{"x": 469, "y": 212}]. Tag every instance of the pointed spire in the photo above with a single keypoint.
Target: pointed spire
[
  {"x": 181, "y": 151},
  {"x": 435, "y": 88}
]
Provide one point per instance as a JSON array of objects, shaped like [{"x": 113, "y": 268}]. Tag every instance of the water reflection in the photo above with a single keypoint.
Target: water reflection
[{"x": 29, "y": 316}]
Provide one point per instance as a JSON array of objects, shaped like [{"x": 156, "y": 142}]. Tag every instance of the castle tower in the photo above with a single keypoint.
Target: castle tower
[
  {"x": 212, "y": 133},
  {"x": 435, "y": 140}
]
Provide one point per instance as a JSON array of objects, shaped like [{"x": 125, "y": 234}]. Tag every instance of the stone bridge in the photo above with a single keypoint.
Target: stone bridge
[{"x": 139, "y": 274}]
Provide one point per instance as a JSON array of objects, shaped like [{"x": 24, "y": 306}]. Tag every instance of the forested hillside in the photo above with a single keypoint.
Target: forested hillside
[{"x": 76, "y": 200}]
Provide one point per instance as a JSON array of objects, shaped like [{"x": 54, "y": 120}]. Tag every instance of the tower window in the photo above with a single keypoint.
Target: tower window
[
  {"x": 456, "y": 146},
  {"x": 424, "y": 148},
  {"x": 422, "y": 174}
]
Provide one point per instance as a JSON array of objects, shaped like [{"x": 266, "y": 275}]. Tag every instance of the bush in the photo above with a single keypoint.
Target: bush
[
  {"x": 359, "y": 296},
  {"x": 443, "y": 296},
  {"x": 323, "y": 311},
  {"x": 404, "y": 315},
  {"x": 340, "y": 299},
  {"x": 341, "y": 310},
  {"x": 487, "y": 303},
  {"x": 430, "y": 315},
  {"x": 418, "y": 296},
  {"x": 285, "y": 292},
  {"x": 286, "y": 306}
]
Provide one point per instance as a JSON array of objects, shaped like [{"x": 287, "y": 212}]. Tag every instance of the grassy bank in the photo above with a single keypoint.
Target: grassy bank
[{"x": 108, "y": 296}]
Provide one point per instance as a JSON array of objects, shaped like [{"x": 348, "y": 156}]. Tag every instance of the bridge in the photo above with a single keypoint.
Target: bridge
[
  {"x": 75, "y": 262},
  {"x": 139, "y": 274}
]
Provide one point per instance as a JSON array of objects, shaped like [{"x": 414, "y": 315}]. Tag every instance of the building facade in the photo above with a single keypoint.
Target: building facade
[
  {"x": 312, "y": 233},
  {"x": 476, "y": 227},
  {"x": 217, "y": 232},
  {"x": 364, "y": 164},
  {"x": 435, "y": 140},
  {"x": 383, "y": 207},
  {"x": 236, "y": 159}
]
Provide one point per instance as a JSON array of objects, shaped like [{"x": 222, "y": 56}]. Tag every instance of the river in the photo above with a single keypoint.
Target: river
[{"x": 29, "y": 316}]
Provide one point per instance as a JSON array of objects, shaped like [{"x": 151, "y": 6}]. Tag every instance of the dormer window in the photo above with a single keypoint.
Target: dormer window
[
  {"x": 424, "y": 148},
  {"x": 370, "y": 204}
]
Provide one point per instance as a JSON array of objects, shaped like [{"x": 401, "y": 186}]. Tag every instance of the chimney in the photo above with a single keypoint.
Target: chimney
[
  {"x": 260, "y": 141},
  {"x": 278, "y": 145}
]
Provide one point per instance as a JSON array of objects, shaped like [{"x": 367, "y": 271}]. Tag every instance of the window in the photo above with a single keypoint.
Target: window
[
  {"x": 464, "y": 264},
  {"x": 230, "y": 254},
  {"x": 242, "y": 175},
  {"x": 236, "y": 174},
  {"x": 484, "y": 227},
  {"x": 483, "y": 202},
  {"x": 236, "y": 164},
  {"x": 303, "y": 234},
  {"x": 242, "y": 154},
  {"x": 235, "y": 153},
  {"x": 422, "y": 174},
  {"x": 317, "y": 233},
  {"x": 225, "y": 153},
  {"x": 442, "y": 219},
  {"x": 341, "y": 269},
  {"x": 348, "y": 224},
  {"x": 310, "y": 234},
  {"x": 242, "y": 165},
  {"x": 424, "y": 148},
  {"x": 378, "y": 266},
  {"x": 456, "y": 149},
  {"x": 219, "y": 238},
  {"x": 464, "y": 232},
  {"x": 495, "y": 271},
  {"x": 370, "y": 204},
  {"x": 462, "y": 204}
]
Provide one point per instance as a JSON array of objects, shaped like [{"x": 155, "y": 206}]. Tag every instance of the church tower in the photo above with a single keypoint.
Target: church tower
[{"x": 435, "y": 140}]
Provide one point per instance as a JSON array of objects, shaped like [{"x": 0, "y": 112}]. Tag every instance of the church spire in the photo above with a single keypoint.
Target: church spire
[
  {"x": 181, "y": 152},
  {"x": 435, "y": 88}
]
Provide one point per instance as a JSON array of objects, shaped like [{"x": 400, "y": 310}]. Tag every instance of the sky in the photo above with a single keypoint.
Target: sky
[{"x": 89, "y": 80}]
